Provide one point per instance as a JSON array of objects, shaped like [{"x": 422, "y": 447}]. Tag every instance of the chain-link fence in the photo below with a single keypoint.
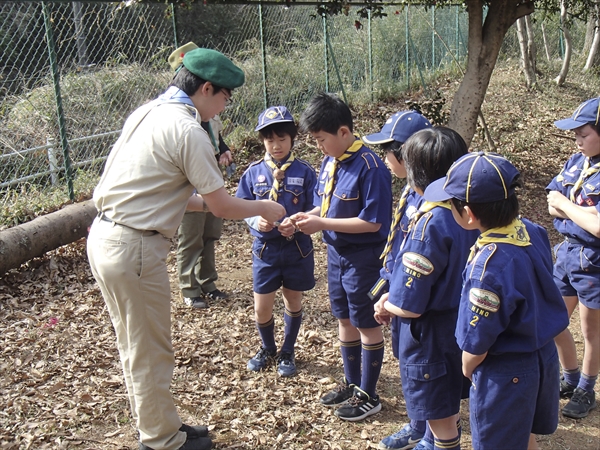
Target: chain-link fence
[{"x": 70, "y": 73}]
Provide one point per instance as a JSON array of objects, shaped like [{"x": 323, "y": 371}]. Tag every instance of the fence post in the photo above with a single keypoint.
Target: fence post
[
  {"x": 433, "y": 38},
  {"x": 457, "y": 33},
  {"x": 174, "y": 22},
  {"x": 59, "y": 109},
  {"x": 82, "y": 50},
  {"x": 325, "y": 40},
  {"x": 407, "y": 49},
  {"x": 51, "y": 143},
  {"x": 370, "y": 55},
  {"x": 263, "y": 52}
]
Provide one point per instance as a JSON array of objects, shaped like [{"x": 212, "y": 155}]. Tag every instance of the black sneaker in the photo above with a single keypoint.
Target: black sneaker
[
  {"x": 195, "y": 302},
  {"x": 261, "y": 360},
  {"x": 580, "y": 405},
  {"x": 286, "y": 364},
  {"x": 196, "y": 439},
  {"x": 566, "y": 389},
  {"x": 359, "y": 407},
  {"x": 194, "y": 432},
  {"x": 339, "y": 395},
  {"x": 216, "y": 295}
]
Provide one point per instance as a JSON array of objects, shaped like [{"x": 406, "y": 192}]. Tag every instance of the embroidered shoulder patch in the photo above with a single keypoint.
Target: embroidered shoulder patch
[
  {"x": 484, "y": 299},
  {"x": 417, "y": 262}
]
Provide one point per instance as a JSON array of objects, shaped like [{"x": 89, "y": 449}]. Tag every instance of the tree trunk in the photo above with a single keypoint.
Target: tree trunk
[
  {"x": 527, "y": 63},
  {"x": 29, "y": 240},
  {"x": 485, "y": 40},
  {"x": 562, "y": 76},
  {"x": 592, "y": 59},
  {"x": 531, "y": 48},
  {"x": 545, "y": 42}
]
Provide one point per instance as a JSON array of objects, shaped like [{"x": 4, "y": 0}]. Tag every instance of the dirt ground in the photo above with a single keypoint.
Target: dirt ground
[{"x": 60, "y": 378}]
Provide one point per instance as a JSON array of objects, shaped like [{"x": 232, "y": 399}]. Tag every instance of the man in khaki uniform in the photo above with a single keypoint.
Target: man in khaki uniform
[
  {"x": 199, "y": 230},
  {"x": 163, "y": 154}
]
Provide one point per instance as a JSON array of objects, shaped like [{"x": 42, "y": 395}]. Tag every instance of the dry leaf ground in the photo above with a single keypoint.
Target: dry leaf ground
[{"x": 60, "y": 377}]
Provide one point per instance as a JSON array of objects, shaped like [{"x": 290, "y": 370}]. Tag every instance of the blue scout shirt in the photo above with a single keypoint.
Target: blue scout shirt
[
  {"x": 587, "y": 195},
  {"x": 363, "y": 189},
  {"x": 296, "y": 193},
  {"x": 509, "y": 300},
  {"x": 428, "y": 270}
]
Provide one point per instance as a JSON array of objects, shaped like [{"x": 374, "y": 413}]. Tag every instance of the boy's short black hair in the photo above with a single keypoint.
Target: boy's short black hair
[
  {"x": 596, "y": 127},
  {"x": 326, "y": 112},
  {"x": 394, "y": 147},
  {"x": 494, "y": 214},
  {"x": 429, "y": 153},
  {"x": 190, "y": 83},
  {"x": 280, "y": 129}
]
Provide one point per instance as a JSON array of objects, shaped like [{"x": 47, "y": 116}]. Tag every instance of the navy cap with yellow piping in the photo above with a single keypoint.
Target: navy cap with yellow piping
[
  {"x": 477, "y": 177},
  {"x": 586, "y": 113}
]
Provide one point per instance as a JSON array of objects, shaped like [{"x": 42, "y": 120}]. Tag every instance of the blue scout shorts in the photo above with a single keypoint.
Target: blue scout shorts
[
  {"x": 278, "y": 262},
  {"x": 351, "y": 274},
  {"x": 514, "y": 395},
  {"x": 431, "y": 366},
  {"x": 577, "y": 272}
]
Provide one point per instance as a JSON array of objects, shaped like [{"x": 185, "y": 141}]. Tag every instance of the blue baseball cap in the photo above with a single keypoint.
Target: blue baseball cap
[
  {"x": 274, "y": 114},
  {"x": 399, "y": 127},
  {"x": 587, "y": 112},
  {"x": 477, "y": 177}
]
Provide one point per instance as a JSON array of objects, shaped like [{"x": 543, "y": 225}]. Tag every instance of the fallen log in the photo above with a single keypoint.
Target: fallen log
[{"x": 32, "y": 239}]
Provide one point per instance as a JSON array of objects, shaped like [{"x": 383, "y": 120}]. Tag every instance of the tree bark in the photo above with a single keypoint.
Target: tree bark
[
  {"x": 562, "y": 76},
  {"x": 32, "y": 239},
  {"x": 484, "y": 45},
  {"x": 592, "y": 59},
  {"x": 527, "y": 61},
  {"x": 545, "y": 43}
]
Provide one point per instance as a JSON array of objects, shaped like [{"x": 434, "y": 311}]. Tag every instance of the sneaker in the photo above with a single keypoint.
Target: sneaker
[
  {"x": 424, "y": 445},
  {"x": 286, "y": 364},
  {"x": 191, "y": 443},
  {"x": 262, "y": 358},
  {"x": 580, "y": 405},
  {"x": 359, "y": 407},
  {"x": 566, "y": 389},
  {"x": 339, "y": 395},
  {"x": 195, "y": 302},
  {"x": 216, "y": 295},
  {"x": 404, "y": 439}
]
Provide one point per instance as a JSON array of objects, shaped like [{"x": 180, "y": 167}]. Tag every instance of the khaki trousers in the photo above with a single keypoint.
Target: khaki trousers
[
  {"x": 196, "y": 253},
  {"x": 130, "y": 268}
]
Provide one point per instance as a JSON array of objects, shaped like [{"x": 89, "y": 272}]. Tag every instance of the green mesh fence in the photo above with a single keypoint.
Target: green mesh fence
[{"x": 71, "y": 72}]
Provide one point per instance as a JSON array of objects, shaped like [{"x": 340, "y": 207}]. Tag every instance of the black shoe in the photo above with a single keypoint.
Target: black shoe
[
  {"x": 194, "y": 432},
  {"x": 566, "y": 389},
  {"x": 216, "y": 295},
  {"x": 262, "y": 359},
  {"x": 580, "y": 405},
  {"x": 195, "y": 302},
  {"x": 286, "y": 364},
  {"x": 339, "y": 395},
  {"x": 200, "y": 443},
  {"x": 359, "y": 407}
]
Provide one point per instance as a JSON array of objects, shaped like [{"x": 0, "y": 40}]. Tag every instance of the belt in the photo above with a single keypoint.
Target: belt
[
  {"x": 572, "y": 240},
  {"x": 105, "y": 218}
]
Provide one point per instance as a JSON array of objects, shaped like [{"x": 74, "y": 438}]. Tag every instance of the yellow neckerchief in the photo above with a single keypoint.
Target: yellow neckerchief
[
  {"x": 400, "y": 210},
  {"x": 515, "y": 234},
  {"x": 426, "y": 207},
  {"x": 328, "y": 191},
  {"x": 586, "y": 172},
  {"x": 274, "y": 194}
]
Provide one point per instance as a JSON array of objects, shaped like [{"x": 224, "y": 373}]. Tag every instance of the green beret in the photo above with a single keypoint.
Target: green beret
[{"x": 213, "y": 66}]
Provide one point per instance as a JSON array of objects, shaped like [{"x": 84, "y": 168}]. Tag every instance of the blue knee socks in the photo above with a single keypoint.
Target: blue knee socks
[
  {"x": 292, "y": 321},
  {"x": 372, "y": 357},
  {"x": 351, "y": 358},
  {"x": 266, "y": 331}
]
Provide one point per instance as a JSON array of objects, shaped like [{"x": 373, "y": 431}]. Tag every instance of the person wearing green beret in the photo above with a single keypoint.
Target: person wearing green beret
[
  {"x": 161, "y": 157},
  {"x": 199, "y": 230}
]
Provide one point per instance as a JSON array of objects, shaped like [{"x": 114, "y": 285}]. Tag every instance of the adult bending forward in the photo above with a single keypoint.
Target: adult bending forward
[{"x": 163, "y": 154}]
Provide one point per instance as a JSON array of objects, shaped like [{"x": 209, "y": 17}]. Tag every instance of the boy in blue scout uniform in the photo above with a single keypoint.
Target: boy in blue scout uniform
[
  {"x": 353, "y": 211},
  {"x": 510, "y": 309},
  {"x": 281, "y": 255},
  {"x": 396, "y": 130},
  {"x": 425, "y": 293},
  {"x": 162, "y": 155},
  {"x": 571, "y": 195}
]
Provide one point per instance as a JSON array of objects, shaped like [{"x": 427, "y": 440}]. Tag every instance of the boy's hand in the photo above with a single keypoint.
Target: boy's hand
[
  {"x": 287, "y": 227},
  {"x": 307, "y": 223},
  {"x": 382, "y": 316},
  {"x": 264, "y": 226},
  {"x": 556, "y": 200}
]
